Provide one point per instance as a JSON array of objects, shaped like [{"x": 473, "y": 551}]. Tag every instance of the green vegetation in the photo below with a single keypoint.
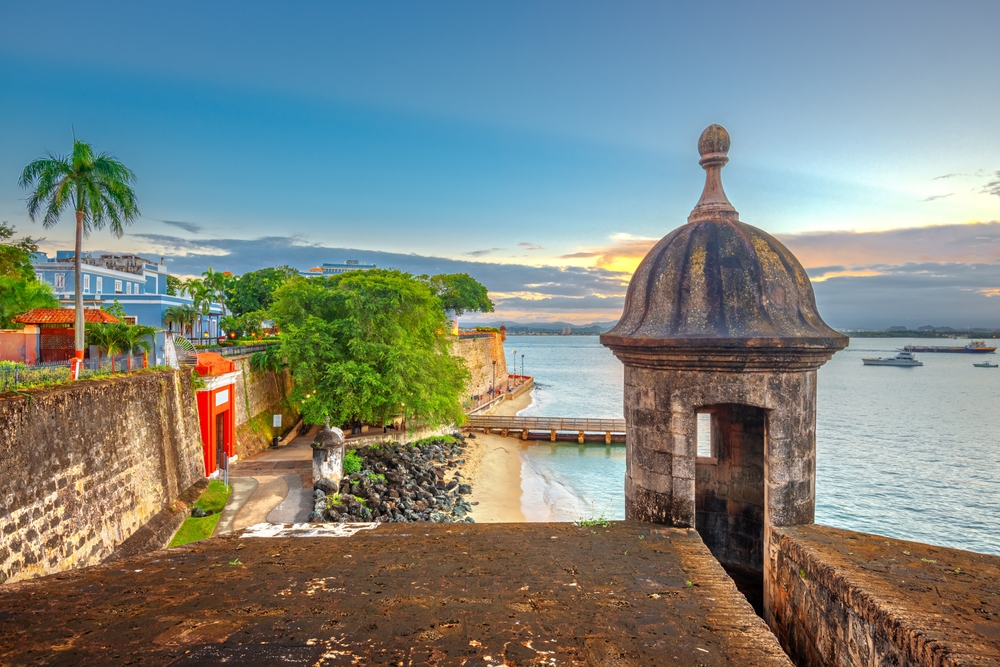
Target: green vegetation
[
  {"x": 460, "y": 293},
  {"x": 198, "y": 528},
  {"x": 435, "y": 439},
  {"x": 120, "y": 338},
  {"x": 174, "y": 285},
  {"x": 20, "y": 291},
  {"x": 371, "y": 346},
  {"x": 183, "y": 316},
  {"x": 254, "y": 291},
  {"x": 376, "y": 477},
  {"x": 599, "y": 521},
  {"x": 352, "y": 462},
  {"x": 341, "y": 499},
  {"x": 97, "y": 187}
]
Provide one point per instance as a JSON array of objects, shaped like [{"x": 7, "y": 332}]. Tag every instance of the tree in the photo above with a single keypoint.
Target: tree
[
  {"x": 255, "y": 290},
  {"x": 201, "y": 299},
  {"x": 216, "y": 285},
  {"x": 20, "y": 291},
  {"x": 183, "y": 316},
  {"x": 369, "y": 345},
  {"x": 460, "y": 293},
  {"x": 114, "y": 338},
  {"x": 174, "y": 285},
  {"x": 98, "y": 187}
]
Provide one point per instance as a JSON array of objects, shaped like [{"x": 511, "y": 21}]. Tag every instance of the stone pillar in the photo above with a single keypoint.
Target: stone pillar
[{"x": 328, "y": 455}]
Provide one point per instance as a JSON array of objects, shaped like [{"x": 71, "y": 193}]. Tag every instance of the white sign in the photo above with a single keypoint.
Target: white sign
[
  {"x": 276, "y": 421},
  {"x": 222, "y": 397}
]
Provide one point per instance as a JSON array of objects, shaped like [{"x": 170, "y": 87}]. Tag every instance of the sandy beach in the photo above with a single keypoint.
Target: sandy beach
[{"x": 493, "y": 467}]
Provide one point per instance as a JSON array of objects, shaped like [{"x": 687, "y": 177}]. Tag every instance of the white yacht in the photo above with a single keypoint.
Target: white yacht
[{"x": 902, "y": 358}]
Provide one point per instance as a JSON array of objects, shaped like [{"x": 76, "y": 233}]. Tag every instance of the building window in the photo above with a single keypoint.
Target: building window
[
  {"x": 86, "y": 284},
  {"x": 60, "y": 282},
  {"x": 128, "y": 288},
  {"x": 100, "y": 284},
  {"x": 118, "y": 287},
  {"x": 131, "y": 319}
]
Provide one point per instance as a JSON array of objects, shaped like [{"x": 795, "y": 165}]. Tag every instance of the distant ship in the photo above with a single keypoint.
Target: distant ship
[
  {"x": 975, "y": 347},
  {"x": 986, "y": 364},
  {"x": 904, "y": 358}
]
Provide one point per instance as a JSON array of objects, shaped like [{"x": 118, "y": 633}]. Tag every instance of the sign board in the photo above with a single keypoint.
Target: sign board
[
  {"x": 222, "y": 397},
  {"x": 277, "y": 421}
]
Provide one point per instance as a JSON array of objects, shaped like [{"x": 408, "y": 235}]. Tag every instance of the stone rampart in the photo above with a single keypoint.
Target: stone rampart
[
  {"x": 836, "y": 597},
  {"x": 479, "y": 352},
  {"x": 85, "y": 465},
  {"x": 260, "y": 396}
]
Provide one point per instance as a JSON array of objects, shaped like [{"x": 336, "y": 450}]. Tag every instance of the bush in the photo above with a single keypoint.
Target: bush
[{"x": 352, "y": 462}]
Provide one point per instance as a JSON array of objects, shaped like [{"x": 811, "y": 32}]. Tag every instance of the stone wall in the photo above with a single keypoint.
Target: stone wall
[
  {"x": 260, "y": 396},
  {"x": 87, "y": 464},
  {"x": 479, "y": 353},
  {"x": 836, "y": 597}
]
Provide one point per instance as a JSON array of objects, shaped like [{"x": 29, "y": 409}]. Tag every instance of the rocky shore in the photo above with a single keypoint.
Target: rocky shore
[{"x": 419, "y": 481}]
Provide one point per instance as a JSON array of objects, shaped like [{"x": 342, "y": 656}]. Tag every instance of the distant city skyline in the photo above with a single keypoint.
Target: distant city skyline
[{"x": 541, "y": 148}]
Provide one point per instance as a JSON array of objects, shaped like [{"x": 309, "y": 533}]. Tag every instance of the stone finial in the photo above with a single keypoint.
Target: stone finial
[
  {"x": 713, "y": 205},
  {"x": 328, "y": 437}
]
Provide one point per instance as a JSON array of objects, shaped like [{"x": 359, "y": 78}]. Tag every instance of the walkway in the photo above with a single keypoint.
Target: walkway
[
  {"x": 549, "y": 428},
  {"x": 274, "y": 485}
]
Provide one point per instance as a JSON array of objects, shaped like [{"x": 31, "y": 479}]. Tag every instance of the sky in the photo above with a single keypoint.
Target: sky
[{"x": 541, "y": 147}]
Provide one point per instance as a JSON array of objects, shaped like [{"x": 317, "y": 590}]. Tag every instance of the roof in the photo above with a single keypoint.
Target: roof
[
  {"x": 213, "y": 363},
  {"x": 717, "y": 282},
  {"x": 63, "y": 316}
]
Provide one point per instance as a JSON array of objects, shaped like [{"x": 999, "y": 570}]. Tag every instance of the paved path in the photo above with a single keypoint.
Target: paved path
[{"x": 272, "y": 485}]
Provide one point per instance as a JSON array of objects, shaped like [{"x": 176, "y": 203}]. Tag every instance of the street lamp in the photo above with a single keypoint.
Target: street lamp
[
  {"x": 522, "y": 367},
  {"x": 514, "y": 371},
  {"x": 493, "y": 384}
]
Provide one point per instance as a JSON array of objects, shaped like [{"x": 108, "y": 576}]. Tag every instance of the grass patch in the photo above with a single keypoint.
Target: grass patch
[
  {"x": 352, "y": 462},
  {"x": 376, "y": 477},
  {"x": 599, "y": 521},
  {"x": 198, "y": 528},
  {"x": 435, "y": 440}
]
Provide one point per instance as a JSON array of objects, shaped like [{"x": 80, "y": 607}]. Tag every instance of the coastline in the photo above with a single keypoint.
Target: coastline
[{"x": 493, "y": 468}]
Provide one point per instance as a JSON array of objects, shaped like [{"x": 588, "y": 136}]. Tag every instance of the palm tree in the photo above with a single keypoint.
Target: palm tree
[
  {"x": 133, "y": 337},
  {"x": 98, "y": 187},
  {"x": 201, "y": 300},
  {"x": 105, "y": 338},
  {"x": 216, "y": 283},
  {"x": 182, "y": 316}
]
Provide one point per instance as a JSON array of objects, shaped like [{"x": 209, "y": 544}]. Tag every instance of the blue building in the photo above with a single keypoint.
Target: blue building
[
  {"x": 138, "y": 284},
  {"x": 334, "y": 269}
]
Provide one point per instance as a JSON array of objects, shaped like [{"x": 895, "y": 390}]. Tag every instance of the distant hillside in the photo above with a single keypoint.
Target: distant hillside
[{"x": 550, "y": 328}]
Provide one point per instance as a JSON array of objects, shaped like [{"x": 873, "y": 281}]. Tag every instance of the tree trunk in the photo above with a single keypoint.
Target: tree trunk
[{"x": 78, "y": 321}]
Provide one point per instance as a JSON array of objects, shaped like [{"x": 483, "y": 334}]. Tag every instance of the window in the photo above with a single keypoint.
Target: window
[
  {"x": 128, "y": 288},
  {"x": 118, "y": 287},
  {"x": 705, "y": 434},
  {"x": 100, "y": 284},
  {"x": 86, "y": 284},
  {"x": 60, "y": 282},
  {"x": 131, "y": 319}
]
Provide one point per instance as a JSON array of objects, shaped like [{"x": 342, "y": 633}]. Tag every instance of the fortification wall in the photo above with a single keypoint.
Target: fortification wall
[
  {"x": 836, "y": 597},
  {"x": 479, "y": 354},
  {"x": 87, "y": 464},
  {"x": 260, "y": 396}
]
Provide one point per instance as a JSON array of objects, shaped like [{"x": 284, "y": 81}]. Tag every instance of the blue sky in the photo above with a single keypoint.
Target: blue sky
[{"x": 555, "y": 139}]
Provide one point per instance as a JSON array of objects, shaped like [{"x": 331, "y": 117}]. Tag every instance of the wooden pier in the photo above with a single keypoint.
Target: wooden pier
[{"x": 551, "y": 428}]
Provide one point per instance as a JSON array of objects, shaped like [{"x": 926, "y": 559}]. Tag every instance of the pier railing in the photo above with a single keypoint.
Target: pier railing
[{"x": 525, "y": 425}]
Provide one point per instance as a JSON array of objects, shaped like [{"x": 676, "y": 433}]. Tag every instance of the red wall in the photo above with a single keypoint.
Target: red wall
[
  {"x": 17, "y": 345},
  {"x": 211, "y": 403}
]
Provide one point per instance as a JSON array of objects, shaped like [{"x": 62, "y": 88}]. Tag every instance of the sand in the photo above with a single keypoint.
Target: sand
[{"x": 493, "y": 467}]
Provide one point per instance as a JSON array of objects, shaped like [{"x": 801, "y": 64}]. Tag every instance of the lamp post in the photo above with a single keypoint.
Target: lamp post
[
  {"x": 522, "y": 368},
  {"x": 514, "y": 371},
  {"x": 493, "y": 384}
]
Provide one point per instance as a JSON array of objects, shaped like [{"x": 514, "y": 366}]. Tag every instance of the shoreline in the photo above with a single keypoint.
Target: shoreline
[{"x": 493, "y": 468}]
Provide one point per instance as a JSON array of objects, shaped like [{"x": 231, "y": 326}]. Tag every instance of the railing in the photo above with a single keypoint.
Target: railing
[
  {"x": 548, "y": 424},
  {"x": 237, "y": 350},
  {"x": 14, "y": 375}
]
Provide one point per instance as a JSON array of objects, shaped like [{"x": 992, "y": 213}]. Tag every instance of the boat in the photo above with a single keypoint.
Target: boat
[
  {"x": 902, "y": 358},
  {"x": 986, "y": 364},
  {"x": 975, "y": 347}
]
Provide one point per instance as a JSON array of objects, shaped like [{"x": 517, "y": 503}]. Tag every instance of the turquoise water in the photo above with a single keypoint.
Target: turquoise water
[{"x": 911, "y": 453}]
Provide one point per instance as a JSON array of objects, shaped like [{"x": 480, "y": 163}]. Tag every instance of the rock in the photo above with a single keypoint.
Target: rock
[
  {"x": 469, "y": 519},
  {"x": 464, "y": 488},
  {"x": 326, "y": 485},
  {"x": 450, "y": 485},
  {"x": 319, "y": 494}
]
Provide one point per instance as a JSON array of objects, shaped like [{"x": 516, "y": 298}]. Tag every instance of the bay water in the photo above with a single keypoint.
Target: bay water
[{"x": 911, "y": 453}]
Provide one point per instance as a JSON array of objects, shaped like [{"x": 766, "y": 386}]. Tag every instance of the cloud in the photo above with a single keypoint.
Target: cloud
[
  {"x": 993, "y": 187},
  {"x": 933, "y": 197},
  {"x": 938, "y": 178},
  {"x": 186, "y": 226},
  {"x": 480, "y": 253},
  {"x": 530, "y": 246},
  {"x": 579, "y": 255}
]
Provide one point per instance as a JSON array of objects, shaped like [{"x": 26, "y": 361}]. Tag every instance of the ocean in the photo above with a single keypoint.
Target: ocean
[{"x": 910, "y": 453}]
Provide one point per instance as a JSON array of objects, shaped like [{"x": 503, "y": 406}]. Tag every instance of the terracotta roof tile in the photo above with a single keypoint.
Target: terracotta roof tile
[{"x": 62, "y": 316}]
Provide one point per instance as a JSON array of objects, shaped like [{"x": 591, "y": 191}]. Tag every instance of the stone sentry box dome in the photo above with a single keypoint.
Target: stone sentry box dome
[{"x": 720, "y": 319}]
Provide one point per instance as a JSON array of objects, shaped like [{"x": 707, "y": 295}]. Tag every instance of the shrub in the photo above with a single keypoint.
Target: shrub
[{"x": 352, "y": 462}]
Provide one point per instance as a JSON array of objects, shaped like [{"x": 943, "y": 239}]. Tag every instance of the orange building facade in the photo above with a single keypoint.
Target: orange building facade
[{"x": 217, "y": 410}]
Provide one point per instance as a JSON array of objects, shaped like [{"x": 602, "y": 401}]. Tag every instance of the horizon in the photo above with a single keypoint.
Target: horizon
[{"x": 543, "y": 150}]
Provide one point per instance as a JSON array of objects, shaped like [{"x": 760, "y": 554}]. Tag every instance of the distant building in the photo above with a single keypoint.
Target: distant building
[
  {"x": 334, "y": 269},
  {"x": 567, "y": 331},
  {"x": 138, "y": 284}
]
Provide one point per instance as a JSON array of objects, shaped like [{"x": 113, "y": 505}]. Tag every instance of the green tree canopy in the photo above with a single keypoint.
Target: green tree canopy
[
  {"x": 174, "y": 285},
  {"x": 460, "y": 292},
  {"x": 369, "y": 345},
  {"x": 255, "y": 290},
  {"x": 20, "y": 291}
]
